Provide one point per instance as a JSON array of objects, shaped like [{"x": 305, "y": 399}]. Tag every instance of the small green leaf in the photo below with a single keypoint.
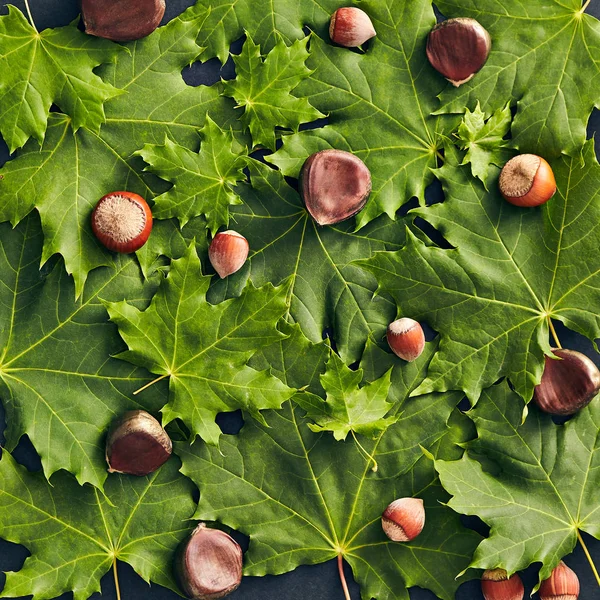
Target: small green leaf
[
  {"x": 349, "y": 407},
  {"x": 264, "y": 89},
  {"x": 203, "y": 348},
  {"x": 483, "y": 139},
  {"x": 203, "y": 183}
]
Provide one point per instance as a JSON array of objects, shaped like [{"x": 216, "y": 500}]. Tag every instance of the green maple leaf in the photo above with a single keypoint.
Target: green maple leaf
[
  {"x": 540, "y": 488},
  {"x": 325, "y": 493},
  {"x": 224, "y": 22},
  {"x": 349, "y": 407},
  {"x": 55, "y": 66},
  {"x": 512, "y": 271},
  {"x": 75, "y": 534},
  {"x": 379, "y": 105},
  {"x": 327, "y": 292},
  {"x": 203, "y": 348},
  {"x": 203, "y": 183},
  {"x": 264, "y": 89},
  {"x": 59, "y": 384},
  {"x": 74, "y": 169},
  {"x": 545, "y": 59},
  {"x": 483, "y": 139}
]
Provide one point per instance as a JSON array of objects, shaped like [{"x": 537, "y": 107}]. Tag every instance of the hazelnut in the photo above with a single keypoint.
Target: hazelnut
[
  {"x": 122, "y": 221},
  {"x": 406, "y": 339},
  {"x": 228, "y": 252},
  {"x": 497, "y": 585},
  {"x": 563, "y": 584},
  {"x": 351, "y": 27},
  {"x": 404, "y": 519},
  {"x": 527, "y": 180}
]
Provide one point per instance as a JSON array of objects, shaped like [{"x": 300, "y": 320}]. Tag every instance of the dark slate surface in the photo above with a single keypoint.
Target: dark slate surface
[{"x": 319, "y": 582}]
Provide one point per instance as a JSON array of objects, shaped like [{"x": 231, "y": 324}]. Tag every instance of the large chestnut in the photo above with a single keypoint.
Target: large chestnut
[{"x": 122, "y": 20}]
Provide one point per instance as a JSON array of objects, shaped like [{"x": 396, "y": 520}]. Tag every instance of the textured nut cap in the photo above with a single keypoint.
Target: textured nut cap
[
  {"x": 458, "y": 48},
  {"x": 406, "y": 339},
  {"x": 563, "y": 584},
  {"x": 351, "y": 27},
  {"x": 335, "y": 185},
  {"x": 567, "y": 384},
  {"x": 527, "y": 180},
  {"x": 228, "y": 252},
  {"x": 122, "y": 221},
  {"x": 122, "y": 20},
  {"x": 208, "y": 564},
  {"x": 496, "y": 585},
  {"x": 137, "y": 444},
  {"x": 404, "y": 519}
]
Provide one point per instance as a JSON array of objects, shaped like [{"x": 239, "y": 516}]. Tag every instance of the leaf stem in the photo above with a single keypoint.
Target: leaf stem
[
  {"x": 585, "y": 6},
  {"x": 367, "y": 455},
  {"x": 116, "y": 576},
  {"x": 343, "y": 577},
  {"x": 30, "y": 16},
  {"x": 145, "y": 387},
  {"x": 554, "y": 334},
  {"x": 589, "y": 557}
]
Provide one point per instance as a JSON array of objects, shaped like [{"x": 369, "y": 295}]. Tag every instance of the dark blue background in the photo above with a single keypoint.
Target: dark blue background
[{"x": 319, "y": 582}]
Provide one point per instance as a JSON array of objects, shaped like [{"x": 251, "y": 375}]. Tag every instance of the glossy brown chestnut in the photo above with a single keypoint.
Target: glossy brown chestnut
[
  {"x": 351, "y": 27},
  {"x": 497, "y": 585},
  {"x": 228, "y": 252},
  {"x": 404, "y": 519},
  {"x": 137, "y": 444},
  {"x": 406, "y": 339},
  {"x": 567, "y": 384},
  {"x": 122, "y": 221},
  {"x": 563, "y": 584},
  {"x": 527, "y": 180},
  {"x": 335, "y": 185},
  {"x": 122, "y": 20},
  {"x": 208, "y": 564},
  {"x": 458, "y": 49}
]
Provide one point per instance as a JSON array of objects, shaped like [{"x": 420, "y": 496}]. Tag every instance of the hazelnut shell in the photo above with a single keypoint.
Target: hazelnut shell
[
  {"x": 563, "y": 584},
  {"x": 527, "y": 180},
  {"x": 403, "y": 520},
  {"x": 351, "y": 27},
  {"x": 228, "y": 252},
  {"x": 406, "y": 339},
  {"x": 496, "y": 585}
]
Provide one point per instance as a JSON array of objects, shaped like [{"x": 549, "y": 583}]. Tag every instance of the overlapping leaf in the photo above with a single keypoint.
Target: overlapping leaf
[
  {"x": 349, "y": 407},
  {"x": 203, "y": 348},
  {"x": 545, "y": 60},
  {"x": 263, "y": 89},
  {"x": 59, "y": 384},
  {"x": 202, "y": 182},
  {"x": 379, "y": 106},
  {"x": 75, "y": 534},
  {"x": 483, "y": 139},
  {"x": 327, "y": 292},
  {"x": 513, "y": 269},
  {"x": 55, "y": 66},
  {"x": 304, "y": 498},
  {"x": 540, "y": 488},
  {"x": 76, "y": 168}
]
